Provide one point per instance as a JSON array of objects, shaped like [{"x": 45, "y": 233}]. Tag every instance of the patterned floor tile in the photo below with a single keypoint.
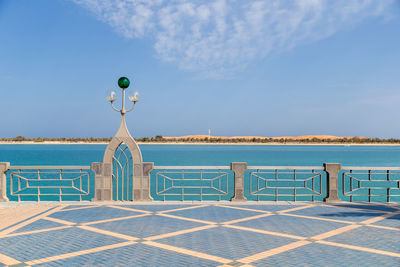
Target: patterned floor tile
[
  {"x": 291, "y": 225},
  {"x": 327, "y": 256},
  {"x": 271, "y": 208},
  {"x": 77, "y": 206},
  {"x": 368, "y": 207},
  {"x": 337, "y": 213},
  {"x": 215, "y": 214},
  {"x": 134, "y": 255},
  {"x": 391, "y": 222},
  {"x": 382, "y": 239},
  {"x": 226, "y": 242},
  {"x": 93, "y": 214},
  {"x": 155, "y": 208},
  {"x": 46, "y": 244},
  {"x": 147, "y": 226},
  {"x": 38, "y": 225}
]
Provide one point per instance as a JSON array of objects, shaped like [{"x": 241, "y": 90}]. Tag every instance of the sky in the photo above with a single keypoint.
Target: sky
[{"x": 255, "y": 67}]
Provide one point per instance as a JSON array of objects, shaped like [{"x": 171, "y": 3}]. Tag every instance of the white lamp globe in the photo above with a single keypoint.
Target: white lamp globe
[
  {"x": 111, "y": 96},
  {"x": 133, "y": 96}
]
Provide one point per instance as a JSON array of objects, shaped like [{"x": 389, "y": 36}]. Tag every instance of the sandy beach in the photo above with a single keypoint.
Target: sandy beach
[
  {"x": 195, "y": 140},
  {"x": 200, "y": 143}
]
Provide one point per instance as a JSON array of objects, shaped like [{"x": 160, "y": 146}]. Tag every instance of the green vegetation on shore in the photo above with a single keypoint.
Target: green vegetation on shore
[{"x": 160, "y": 139}]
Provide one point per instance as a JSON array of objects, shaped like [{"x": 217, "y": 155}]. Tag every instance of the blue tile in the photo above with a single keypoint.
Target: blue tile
[
  {"x": 226, "y": 242},
  {"x": 375, "y": 207},
  {"x": 327, "y": 256},
  {"x": 47, "y": 244},
  {"x": 291, "y": 225},
  {"x": 92, "y": 214},
  {"x": 337, "y": 213},
  {"x": 133, "y": 255},
  {"x": 269, "y": 207},
  {"x": 369, "y": 237},
  {"x": 215, "y": 213},
  {"x": 147, "y": 226},
  {"x": 393, "y": 221},
  {"x": 156, "y": 208},
  {"x": 38, "y": 225}
]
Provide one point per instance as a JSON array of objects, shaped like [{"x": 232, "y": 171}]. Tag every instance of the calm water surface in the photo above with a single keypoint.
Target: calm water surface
[{"x": 207, "y": 154}]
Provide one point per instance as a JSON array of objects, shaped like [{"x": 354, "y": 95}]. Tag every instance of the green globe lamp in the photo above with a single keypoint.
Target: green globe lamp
[{"x": 123, "y": 82}]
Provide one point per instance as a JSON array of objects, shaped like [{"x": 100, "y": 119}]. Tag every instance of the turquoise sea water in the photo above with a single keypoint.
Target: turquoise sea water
[{"x": 207, "y": 154}]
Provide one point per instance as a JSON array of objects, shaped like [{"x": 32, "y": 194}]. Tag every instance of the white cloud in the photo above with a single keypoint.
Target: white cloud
[{"x": 220, "y": 37}]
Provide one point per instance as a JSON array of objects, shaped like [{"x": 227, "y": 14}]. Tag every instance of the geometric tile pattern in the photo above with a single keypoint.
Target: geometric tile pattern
[
  {"x": 205, "y": 234},
  {"x": 328, "y": 256}
]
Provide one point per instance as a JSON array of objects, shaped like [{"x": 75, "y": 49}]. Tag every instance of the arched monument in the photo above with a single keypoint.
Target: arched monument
[{"x": 122, "y": 175}]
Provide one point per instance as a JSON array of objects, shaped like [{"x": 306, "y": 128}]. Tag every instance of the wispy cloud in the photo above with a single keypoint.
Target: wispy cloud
[{"x": 220, "y": 37}]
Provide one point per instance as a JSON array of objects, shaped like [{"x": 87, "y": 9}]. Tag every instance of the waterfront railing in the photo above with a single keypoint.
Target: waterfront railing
[{"x": 237, "y": 182}]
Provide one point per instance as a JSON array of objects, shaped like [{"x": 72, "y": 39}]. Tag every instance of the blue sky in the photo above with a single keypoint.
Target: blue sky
[{"x": 265, "y": 68}]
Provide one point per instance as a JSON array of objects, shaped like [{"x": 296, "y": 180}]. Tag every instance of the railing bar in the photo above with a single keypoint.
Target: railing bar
[
  {"x": 60, "y": 190},
  {"x": 294, "y": 178},
  {"x": 388, "y": 190},
  {"x": 201, "y": 183},
  {"x": 183, "y": 190},
  {"x": 276, "y": 189},
  {"x": 192, "y": 167},
  {"x": 369, "y": 188},
  {"x": 285, "y": 168},
  {"x": 349, "y": 168},
  {"x": 49, "y": 167}
]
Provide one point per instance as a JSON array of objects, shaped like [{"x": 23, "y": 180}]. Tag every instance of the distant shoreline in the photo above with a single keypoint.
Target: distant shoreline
[{"x": 201, "y": 143}]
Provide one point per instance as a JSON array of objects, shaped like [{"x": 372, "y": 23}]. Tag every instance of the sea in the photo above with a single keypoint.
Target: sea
[{"x": 207, "y": 155}]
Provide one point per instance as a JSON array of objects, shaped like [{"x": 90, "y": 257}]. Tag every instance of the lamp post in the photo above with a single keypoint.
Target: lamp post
[
  {"x": 120, "y": 170},
  {"x": 133, "y": 96}
]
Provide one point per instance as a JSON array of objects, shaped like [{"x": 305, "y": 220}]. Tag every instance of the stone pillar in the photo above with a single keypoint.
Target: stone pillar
[
  {"x": 147, "y": 168},
  {"x": 4, "y": 166},
  {"x": 239, "y": 169},
  {"x": 103, "y": 181},
  {"x": 332, "y": 170},
  {"x": 141, "y": 181}
]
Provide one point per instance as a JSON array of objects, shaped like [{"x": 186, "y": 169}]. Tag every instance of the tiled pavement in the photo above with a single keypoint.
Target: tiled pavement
[{"x": 213, "y": 234}]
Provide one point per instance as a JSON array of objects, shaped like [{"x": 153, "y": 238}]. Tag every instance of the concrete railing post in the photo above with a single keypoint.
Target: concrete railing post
[
  {"x": 147, "y": 168},
  {"x": 4, "y": 167},
  {"x": 239, "y": 168},
  {"x": 332, "y": 170},
  {"x": 103, "y": 181}
]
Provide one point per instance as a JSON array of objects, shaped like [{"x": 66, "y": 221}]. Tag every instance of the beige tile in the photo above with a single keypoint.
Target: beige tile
[
  {"x": 186, "y": 219},
  {"x": 371, "y": 250},
  {"x": 104, "y": 232},
  {"x": 188, "y": 252},
  {"x": 10, "y": 215},
  {"x": 264, "y": 232},
  {"x": 39, "y": 231},
  {"x": 116, "y": 219},
  {"x": 273, "y": 251},
  {"x": 78, "y": 253},
  {"x": 4, "y": 259},
  {"x": 29, "y": 221},
  {"x": 180, "y": 232}
]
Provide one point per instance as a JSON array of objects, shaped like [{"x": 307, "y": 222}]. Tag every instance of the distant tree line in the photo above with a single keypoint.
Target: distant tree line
[{"x": 161, "y": 139}]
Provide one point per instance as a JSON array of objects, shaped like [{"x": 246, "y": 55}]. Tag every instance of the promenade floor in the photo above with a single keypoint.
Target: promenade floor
[{"x": 206, "y": 234}]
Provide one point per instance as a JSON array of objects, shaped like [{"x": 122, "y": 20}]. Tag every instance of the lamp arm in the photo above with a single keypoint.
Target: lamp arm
[
  {"x": 112, "y": 105},
  {"x": 134, "y": 103}
]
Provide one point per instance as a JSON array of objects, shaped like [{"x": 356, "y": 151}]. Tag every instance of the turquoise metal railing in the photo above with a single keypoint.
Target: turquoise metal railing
[{"x": 50, "y": 183}]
